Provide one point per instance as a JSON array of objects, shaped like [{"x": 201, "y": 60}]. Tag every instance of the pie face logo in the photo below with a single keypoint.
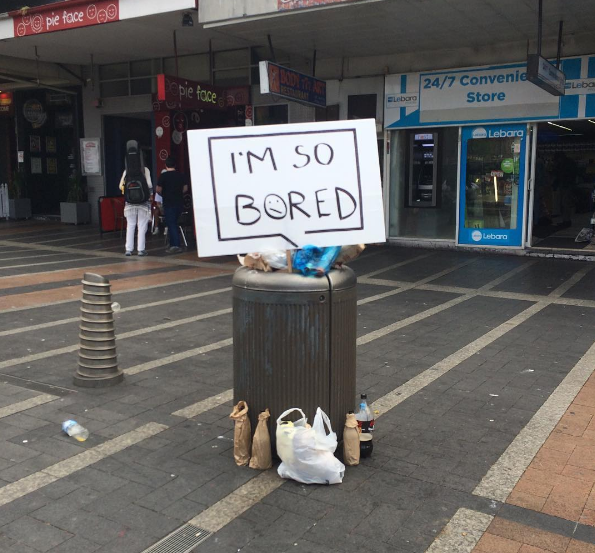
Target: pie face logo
[{"x": 47, "y": 20}]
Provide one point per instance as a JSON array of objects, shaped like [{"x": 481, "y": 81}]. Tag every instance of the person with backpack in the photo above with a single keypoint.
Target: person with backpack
[
  {"x": 137, "y": 188},
  {"x": 172, "y": 186}
]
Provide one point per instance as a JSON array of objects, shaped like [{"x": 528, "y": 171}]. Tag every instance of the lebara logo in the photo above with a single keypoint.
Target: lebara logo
[
  {"x": 479, "y": 132},
  {"x": 476, "y": 236}
]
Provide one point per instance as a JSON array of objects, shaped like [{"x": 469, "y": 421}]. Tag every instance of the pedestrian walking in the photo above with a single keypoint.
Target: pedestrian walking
[
  {"x": 172, "y": 187},
  {"x": 137, "y": 188}
]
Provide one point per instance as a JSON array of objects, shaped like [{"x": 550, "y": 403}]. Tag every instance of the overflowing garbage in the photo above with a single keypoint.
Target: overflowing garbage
[
  {"x": 242, "y": 435},
  {"x": 262, "y": 458},
  {"x": 309, "y": 261},
  {"x": 307, "y": 452}
]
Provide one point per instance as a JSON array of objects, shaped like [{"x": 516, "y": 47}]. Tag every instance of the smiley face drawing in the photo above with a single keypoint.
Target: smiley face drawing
[{"x": 275, "y": 207}]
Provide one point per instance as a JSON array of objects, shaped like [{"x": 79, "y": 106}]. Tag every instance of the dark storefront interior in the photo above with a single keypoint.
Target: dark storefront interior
[{"x": 564, "y": 183}]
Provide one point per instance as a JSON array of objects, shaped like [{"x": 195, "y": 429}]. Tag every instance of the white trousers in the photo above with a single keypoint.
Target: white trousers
[{"x": 137, "y": 218}]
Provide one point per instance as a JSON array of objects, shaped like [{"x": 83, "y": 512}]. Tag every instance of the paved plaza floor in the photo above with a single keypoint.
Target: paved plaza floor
[{"x": 480, "y": 367}]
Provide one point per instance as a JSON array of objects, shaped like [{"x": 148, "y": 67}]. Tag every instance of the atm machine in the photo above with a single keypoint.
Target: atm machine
[{"x": 423, "y": 170}]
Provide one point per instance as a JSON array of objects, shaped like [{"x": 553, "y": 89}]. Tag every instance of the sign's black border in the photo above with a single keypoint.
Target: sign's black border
[{"x": 359, "y": 183}]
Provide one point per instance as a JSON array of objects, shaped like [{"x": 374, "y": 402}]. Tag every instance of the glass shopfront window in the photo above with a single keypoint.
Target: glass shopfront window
[
  {"x": 423, "y": 183},
  {"x": 492, "y": 183}
]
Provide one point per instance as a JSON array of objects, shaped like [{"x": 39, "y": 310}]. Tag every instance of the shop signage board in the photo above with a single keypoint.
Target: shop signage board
[
  {"x": 286, "y": 186},
  {"x": 287, "y": 83},
  {"x": 91, "y": 156},
  {"x": 545, "y": 75},
  {"x": 284, "y": 5},
  {"x": 180, "y": 93},
  {"x": 63, "y": 16},
  {"x": 487, "y": 95}
]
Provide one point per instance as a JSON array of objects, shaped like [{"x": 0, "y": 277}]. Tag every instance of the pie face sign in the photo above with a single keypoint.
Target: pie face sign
[{"x": 286, "y": 186}]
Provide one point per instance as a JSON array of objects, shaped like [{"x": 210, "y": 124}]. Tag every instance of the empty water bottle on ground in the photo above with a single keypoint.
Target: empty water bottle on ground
[
  {"x": 74, "y": 429},
  {"x": 364, "y": 415}
]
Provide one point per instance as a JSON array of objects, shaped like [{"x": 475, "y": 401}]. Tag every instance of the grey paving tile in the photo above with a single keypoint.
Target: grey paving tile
[
  {"x": 76, "y": 545},
  {"x": 35, "y": 534},
  {"x": 141, "y": 519}
]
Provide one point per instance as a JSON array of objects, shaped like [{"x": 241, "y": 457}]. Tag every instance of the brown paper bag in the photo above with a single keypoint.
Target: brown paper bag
[
  {"x": 349, "y": 253},
  {"x": 241, "y": 434},
  {"x": 261, "y": 444},
  {"x": 254, "y": 261},
  {"x": 351, "y": 441}
]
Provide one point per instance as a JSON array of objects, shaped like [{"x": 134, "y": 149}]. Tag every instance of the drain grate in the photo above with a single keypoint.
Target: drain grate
[{"x": 182, "y": 540}]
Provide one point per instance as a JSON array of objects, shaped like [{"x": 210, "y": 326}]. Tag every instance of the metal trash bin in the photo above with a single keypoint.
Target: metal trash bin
[{"x": 294, "y": 343}]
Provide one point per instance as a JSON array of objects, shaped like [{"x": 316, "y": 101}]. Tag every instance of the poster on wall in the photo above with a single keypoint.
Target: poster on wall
[
  {"x": 52, "y": 166},
  {"x": 34, "y": 113},
  {"x": 50, "y": 144},
  {"x": 91, "y": 156},
  {"x": 286, "y": 186},
  {"x": 36, "y": 166},
  {"x": 34, "y": 143}
]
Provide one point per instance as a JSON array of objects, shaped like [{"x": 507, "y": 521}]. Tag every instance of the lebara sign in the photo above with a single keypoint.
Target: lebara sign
[
  {"x": 64, "y": 15},
  {"x": 486, "y": 95},
  {"x": 286, "y": 186},
  {"x": 483, "y": 210}
]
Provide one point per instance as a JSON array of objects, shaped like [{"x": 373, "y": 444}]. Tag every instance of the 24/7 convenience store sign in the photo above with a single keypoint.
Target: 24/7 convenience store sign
[{"x": 487, "y": 94}]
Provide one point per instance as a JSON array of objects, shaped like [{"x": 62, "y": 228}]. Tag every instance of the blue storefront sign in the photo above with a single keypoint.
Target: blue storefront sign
[
  {"x": 492, "y": 185},
  {"x": 292, "y": 85},
  {"x": 490, "y": 94}
]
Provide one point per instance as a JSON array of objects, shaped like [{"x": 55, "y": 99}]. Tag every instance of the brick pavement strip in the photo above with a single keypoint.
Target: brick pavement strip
[
  {"x": 147, "y": 305},
  {"x": 503, "y": 476}
]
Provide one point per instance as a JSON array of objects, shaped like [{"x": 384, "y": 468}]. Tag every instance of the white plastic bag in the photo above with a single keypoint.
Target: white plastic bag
[
  {"x": 277, "y": 259},
  {"x": 307, "y": 453}
]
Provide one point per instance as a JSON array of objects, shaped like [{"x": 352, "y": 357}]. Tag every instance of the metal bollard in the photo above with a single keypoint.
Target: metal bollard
[{"x": 98, "y": 361}]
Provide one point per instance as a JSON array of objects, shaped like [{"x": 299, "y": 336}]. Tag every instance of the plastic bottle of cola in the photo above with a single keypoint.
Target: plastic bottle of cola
[
  {"x": 74, "y": 429},
  {"x": 364, "y": 415}
]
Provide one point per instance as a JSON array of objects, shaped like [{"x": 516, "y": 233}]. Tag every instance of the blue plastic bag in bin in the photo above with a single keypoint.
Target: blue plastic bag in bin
[{"x": 315, "y": 261}]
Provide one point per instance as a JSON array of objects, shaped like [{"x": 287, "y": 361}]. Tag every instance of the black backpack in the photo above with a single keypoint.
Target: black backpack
[{"x": 136, "y": 189}]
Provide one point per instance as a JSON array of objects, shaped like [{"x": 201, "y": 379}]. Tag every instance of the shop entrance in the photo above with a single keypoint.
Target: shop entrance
[
  {"x": 564, "y": 185},
  {"x": 117, "y": 131},
  {"x": 492, "y": 184}
]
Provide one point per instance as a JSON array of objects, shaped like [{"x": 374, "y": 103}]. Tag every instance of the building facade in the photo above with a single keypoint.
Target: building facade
[{"x": 469, "y": 148}]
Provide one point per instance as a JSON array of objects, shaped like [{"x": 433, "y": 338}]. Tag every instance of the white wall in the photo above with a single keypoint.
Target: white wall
[
  {"x": 338, "y": 92},
  {"x": 221, "y": 10}
]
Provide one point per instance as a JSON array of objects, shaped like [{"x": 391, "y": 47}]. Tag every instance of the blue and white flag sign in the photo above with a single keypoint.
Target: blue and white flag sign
[{"x": 488, "y": 94}]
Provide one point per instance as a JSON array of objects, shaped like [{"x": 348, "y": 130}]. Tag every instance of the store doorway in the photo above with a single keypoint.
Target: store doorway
[
  {"x": 117, "y": 131},
  {"x": 564, "y": 185}
]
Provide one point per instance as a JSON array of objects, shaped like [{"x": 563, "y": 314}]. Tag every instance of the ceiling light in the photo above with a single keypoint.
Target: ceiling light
[
  {"x": 560, "y": 126},
  {"x": 187, "y": 20}
]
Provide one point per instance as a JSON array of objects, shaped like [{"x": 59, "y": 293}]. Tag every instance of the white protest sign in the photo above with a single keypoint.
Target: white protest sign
[{"x": 286, "y": 186}]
